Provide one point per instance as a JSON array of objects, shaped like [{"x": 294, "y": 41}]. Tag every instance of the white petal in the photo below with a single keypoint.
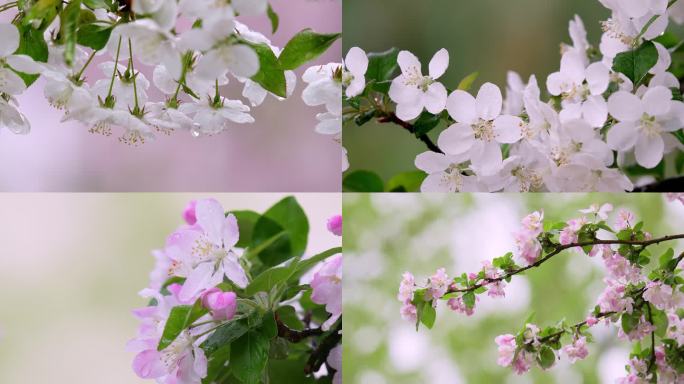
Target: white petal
[
  {"x": 457, "y": 139},
  {"x": 649, "y": 150},
  {"x": 231, "y": 232},
  {"x": 234, "y": 271},
  {"x": 572, "y": 67},
  {"x": 579, "y": 130},
  {"x": 622, "y": 136},
  {"x": 664, "y": 59},
  {"x": 243, "y": 61},
  {"x": 487, "y": 158},
  {"x": 408, "y": 111},
  {"x": 598, "y": 77},
  {"x": 432, "y": 162},
  {"x": 199, "y": 279},
  {"x": 399, "y": 92},
  {"x": 489, "y": 101},
  {"x": 508, "y": 129},
  {"x": 439, "y": 63},
  {"x": 634, "y": 8},
  {"x": 408, "y": 63},
  {"x": 462, "y": 107},
  {"x": 555, "y": 83},
  {"x": 625, "y": 106},
  {"x": 435, "y": 98},
  {"x": 356, "y": 61},
  {"x": 10, "y": 82},
  {"x": 163, "y": 80},
  {"x": 211, "y": 216},
  {"x": 656, "y": 101},
  {"x": 23, "y": 63},
  {"x": 595, "y": 111},
  {"x": 10, "y": 39}
]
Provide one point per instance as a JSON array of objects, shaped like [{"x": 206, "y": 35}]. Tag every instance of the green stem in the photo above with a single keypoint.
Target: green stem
[
  {"x": 132, "y": 68},
  {"x": 650, "y": 320},
  {"x": 87, "y": 63},
  {"x": 116, "y": 64}
]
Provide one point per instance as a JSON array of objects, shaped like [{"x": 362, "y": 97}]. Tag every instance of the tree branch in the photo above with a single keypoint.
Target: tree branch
[
  {"x": 392, "y": 118},
  {"x": 321, "y": 352},
  {"x": 576, "y": 326},
  {"x": 667, "y": 185},
  {"x": 295, "y": 336},
  {"x": 559, "y": 249}
]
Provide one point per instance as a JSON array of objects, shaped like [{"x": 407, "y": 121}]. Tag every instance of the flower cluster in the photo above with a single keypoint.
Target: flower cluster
[
  {"x": 612, "y": 109},
  {"x": 646, "y": 306},
  {"x": 216, "y": 298},
  {"x": 192, "y": 48}
]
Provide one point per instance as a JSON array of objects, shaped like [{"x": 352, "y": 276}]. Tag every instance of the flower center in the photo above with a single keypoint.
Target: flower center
[
  {"x": 452, "y": 178},
  {"x": 175, "y": 351},
  {"x": 416, "y": 79},
  {"x": 614, "y": 30},
  {"x": 484, "y": 130},
  {"x": 650, "y": 126}
]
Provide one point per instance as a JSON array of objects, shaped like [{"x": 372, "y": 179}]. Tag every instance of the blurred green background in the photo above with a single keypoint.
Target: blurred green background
[
  {"x": 385, "y": 235},
  {"x": 71, "y": 266},
  {"x": 487, "y": 36}
]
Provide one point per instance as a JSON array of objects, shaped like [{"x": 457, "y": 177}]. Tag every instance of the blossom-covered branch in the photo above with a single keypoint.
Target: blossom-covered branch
[
  {"x": 612, "y": 121},
  {"x": 643, "y": 304}
]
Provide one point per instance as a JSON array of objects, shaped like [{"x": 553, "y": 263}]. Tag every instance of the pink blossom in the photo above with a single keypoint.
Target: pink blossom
[
  {"x": 495, "y": 289},
  {"x": 675, "y": 328},
  {"x": 222, "y": 304},
  {"x": 643, "y": 329},
  {"x": 591, "y": 321},
  {"x": 523, "y": 363},
  {"x": 569, "y": 234},
  {"x": 577, "y": 350},
  {"x": 457, "y": 304},
  {"x": 662, "y": 296},
  {"x": 528, "y": 247},
  {"x": 620, "y": 268},
  {"x": 335, "y": 225},
  {"x": 409, "y": 312},
  {"x": 182, "y": 362},
  {"x": 327, "y": 289},
  {"x": 335, "y": 362},
  {"x": 534, "y": 223},
  {"x": 407, "y": 287},
  {"x": 507, "y": 347},
  {"x": 189, "y": 213},
  {"x": 625, "y": 219},
  {"x": 675, "y": 197},
  {"x": 612, "y": 298},
  {"x": 439, "y": 283},
  {"x": 601, "y": 211}
]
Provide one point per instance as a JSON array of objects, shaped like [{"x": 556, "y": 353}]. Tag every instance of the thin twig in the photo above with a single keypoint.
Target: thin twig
[{"x": 392, "y": 118}]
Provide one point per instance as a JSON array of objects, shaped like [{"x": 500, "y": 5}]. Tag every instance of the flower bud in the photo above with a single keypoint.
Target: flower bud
[
  {"x": 335, "y": 225},
  {"x": 221, "y": 304},
  {"x": 189, "y": 213}
]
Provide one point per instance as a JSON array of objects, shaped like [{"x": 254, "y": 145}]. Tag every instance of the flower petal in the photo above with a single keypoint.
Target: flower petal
[
  {"x": 435, "y": 98},
  {"x": 508, "y": 129},
  {"x": 622, "y": 136},
  {"x": 656, "y": 101},
  {"x": 461, "y": 107},
  {"x": 356, "y": 61},
  {"x": 649, "y": 150},
  {"x": 489, "y": 101},
  {"x": 10, "y": 39},
  {"x": 409, "y": 63},
  {"x": 457, "y": 139},
  {"x": 625, "y": 106},
  {"x": 210, "y": 216},
  {"x": 439, "y": 63},
  {"x": 432, "y": 162},
  {"x": 595, "y": 111},
  {"x": 598, "y": 77}
]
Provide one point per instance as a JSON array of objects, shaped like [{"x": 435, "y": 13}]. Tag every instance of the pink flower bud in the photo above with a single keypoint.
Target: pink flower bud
[
  {"x": 189, "y": 213},
  {"x": 591, "y": 321},
  {"x": 335, "y": 225},
  {"x": 221, "y": 304}
]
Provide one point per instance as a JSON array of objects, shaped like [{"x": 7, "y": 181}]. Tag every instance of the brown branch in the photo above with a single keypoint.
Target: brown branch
[
  {"x": 392, "y": 118},
  {"x": 576, "y": 326},
  {"x": 559, "y": 249},
  {"x": 295, "y": 336},
  {"x": 321, "y": 352}
]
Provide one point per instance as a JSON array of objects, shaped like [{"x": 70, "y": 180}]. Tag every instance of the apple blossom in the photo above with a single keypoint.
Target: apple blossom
[{"x": 327, "y": 289}]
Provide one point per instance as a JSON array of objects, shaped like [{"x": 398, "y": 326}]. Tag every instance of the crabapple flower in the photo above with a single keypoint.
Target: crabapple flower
[
  {"x": 458, "y": 305},
  {"x": 335, "y": 361},
  {"x": 211, "y": 117},
  {"x": 480, "y": 128},
  {"x": 204, "y": 252},
  {"x": 600, "y": 211},
  {"x": 439, "y": 284},
  {"x": 625, "y": 219},
  {"x": 183, "y": 361},
  {"x": 353, "y": 75},
  {"x": 409, "y": 312},
  {"x": 445, "y": 174},
  {"x": 569, "y": 234},
  {"x": 413, "y": 92},
  {"x": 675, "y": 197},
  {"x": 10, "y": 82},
  {"x": 407, "y": 287},
  {"x": 335, "y": 225},
  {"x": 528, "y": 246},
  {"x": 507, "y": 347},
  {"x": 643, "y": 122},
  {"x": 327, "y": 289},
  {"x": 325, "y": 88},
  {"x": 662, "y": 296},
  {"x": 577, "y": 350}
]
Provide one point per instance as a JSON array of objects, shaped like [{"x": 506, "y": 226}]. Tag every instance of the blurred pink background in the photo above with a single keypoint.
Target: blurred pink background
[{"x": 279, "y": 152}]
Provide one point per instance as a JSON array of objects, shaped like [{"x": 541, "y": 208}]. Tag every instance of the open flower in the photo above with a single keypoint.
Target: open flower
[
  {"x": 480, "y": 128},
  {"x": 355, "y": 67},
  {"x": 412, "y": 91},
  {"x": 327, "y": 289}
]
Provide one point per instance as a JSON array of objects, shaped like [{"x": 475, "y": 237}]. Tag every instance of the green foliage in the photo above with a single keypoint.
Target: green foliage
[
  {"x": 271, "y": 75},
  {"x": 635, "y": 64},
  {"x": 546, "y": 357},
  {"x": 273, "y": 17},
  {"x": 406, "y": 182},
  {"x": 382, "y": 65},
  {"x": 94, "y": 35},
  {"x": 305, "y": 46},
  {"x": 468, "y": 81},
  {"x": 362, "y": 181},
  {"x": 286, "y": 217},
  {"x": 426, "y": 122},
  {"x": 31, "y": 43},
  {"x": 249, "y": 355},
  {"x": 246, "y": 221},
  {"x": 180, "y": 319},
  {"x": 68, "y": 29}
]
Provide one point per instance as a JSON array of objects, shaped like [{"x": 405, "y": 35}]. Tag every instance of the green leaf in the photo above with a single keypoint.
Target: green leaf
[
  {"x": 288, "y": 316},
  {"x": 546, "y": 357},
  {"x": 273, "y": 17},
  {"x": 268, "y": 279},
  {"x": 96, "y": 4},
  {"x": 180, "y": 318},
  {"x": 94, "y": 35},
  {"x": 665, "y": 258},
  {"x": 286, "y": 216},
  {"x": 225, "y": 335},
  {"x": 68, "y": 29},
  {"x": 382, "y": 65},
  {"x": 630, "y": 321},
  {"x": 246, "y": 222},
  {"x": 271, "y": 75},
  {"x": 45, "y": 10},
  {"x": 31, "y": 43},
  {"x": 679, "y": 135},
  {"x": 469, "y": 299},
  {"x": 406, "y": 182},
  {"x": 426, "y": 122},
  {"x": 679, "y": 161},
  {"x": 305, "y": 265},
  {"x": 363, "y": 181},
  {"x": 305, "y": 46},
  {"x": 249, "y": 356},
  {"x": 429, "y": 315},
  {"x": 468, "y": 81},
  {"x": 635, "y": 64},
  {"x": 659, "y": 321}
]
